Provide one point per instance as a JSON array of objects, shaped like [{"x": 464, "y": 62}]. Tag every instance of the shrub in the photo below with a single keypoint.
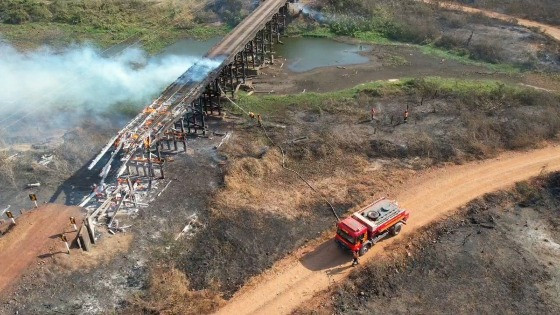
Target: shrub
[
  {"x": 450, "y": 42},
  {"x": 17, "y": 16},
  {"x": 486, "y": 51}
]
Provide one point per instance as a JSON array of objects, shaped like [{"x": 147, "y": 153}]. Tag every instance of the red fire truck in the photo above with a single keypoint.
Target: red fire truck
[{"x": 360, "y": 231}]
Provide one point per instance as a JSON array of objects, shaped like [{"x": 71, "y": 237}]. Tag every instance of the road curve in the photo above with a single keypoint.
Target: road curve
[
  {"x": 552, "y": 31},
  {"x": 429, "y": 197},
  {"x": 34, "y": 236}
]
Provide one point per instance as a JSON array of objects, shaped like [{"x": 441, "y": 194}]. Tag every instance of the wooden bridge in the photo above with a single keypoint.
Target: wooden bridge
[{"x": 183, "y": 106}]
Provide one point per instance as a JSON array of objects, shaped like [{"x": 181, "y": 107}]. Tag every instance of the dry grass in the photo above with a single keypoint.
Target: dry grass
[
  {"x": 249, "y": 185},
  {"x": 421, "y": 23},
  {"x": 100, "y": 254},
  {"x": 169, "y": 293},
  {"x": 258, "y": 183},
  {"x": 7, "y": 174},
  {"x": 350, "y": 161}
]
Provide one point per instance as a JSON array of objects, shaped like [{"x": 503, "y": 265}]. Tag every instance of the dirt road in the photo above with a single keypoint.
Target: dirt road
[
  {"x": 430, "y": 196},
  {"x": 34, "y": 237},
  {"x": 554, "y": 32}
]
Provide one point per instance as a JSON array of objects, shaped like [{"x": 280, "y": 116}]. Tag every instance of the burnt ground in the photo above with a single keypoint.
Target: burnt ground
[
  {"x": 251, "y": 213},
  {"x": 227, "y": 247},
  {"x": 71, "y": 144},
  {"x": 546, "y": 11},
  {"x": 500, "y": 252},
  {"x": 96, "y": 288},
  {"x": 472, "y": 36},
  {"x": 261, "y": 212},
  {"x": 497, "y": 41}
]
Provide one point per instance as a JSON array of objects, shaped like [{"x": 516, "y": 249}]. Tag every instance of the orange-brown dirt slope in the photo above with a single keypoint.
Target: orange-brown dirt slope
[{"x": 36, "y": 235}]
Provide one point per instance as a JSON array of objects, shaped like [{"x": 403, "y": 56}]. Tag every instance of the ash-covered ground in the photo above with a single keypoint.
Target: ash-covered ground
[
  {"x": 119, "y": 266},
  {"x": 251, "y": 212}
]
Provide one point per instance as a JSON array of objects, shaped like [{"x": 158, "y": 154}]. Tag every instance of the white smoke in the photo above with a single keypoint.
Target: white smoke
[
  {"x": 313, "y": 14},
  {"x": 79, "y": 78}
]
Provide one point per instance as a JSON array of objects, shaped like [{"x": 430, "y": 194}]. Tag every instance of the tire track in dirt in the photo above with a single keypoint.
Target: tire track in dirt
[
  {"x": 552, "y": 31},
  {"x": 32, "y": 237},
  {"x": 429, "y": 197}
]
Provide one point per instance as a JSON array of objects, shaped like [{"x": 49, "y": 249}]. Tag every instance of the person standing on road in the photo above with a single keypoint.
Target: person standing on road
[
  {"x": 356, "y": 255},
  {"x": 406, "y": 115}
]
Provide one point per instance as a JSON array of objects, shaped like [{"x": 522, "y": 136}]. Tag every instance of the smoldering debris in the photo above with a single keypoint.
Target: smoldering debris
[{"x": 46, "y": 159}]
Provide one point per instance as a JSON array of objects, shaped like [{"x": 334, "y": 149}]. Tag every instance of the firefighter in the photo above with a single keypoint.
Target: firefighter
[
  {"x": 117, "y": 143},
  {"x": 356, "y": 255}
]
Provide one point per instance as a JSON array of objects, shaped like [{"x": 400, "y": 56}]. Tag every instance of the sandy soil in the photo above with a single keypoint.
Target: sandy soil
[
  {"x": 35, "y": 236},
  {"x": 553, "y": 31},
  {"x": 429, "y": 197}
]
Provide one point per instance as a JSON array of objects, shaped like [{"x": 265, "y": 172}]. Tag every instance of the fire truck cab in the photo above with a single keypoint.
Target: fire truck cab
[{"x": 360, "y": 231}]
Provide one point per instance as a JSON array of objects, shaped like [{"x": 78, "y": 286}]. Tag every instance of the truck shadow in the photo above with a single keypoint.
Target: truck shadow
[{"x": 325, "y": 256}]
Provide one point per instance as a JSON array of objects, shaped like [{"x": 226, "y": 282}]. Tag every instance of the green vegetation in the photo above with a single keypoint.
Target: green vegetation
[
  {"x": 470, "y": 91},
  {"x": 29, "y": 23},
  {"x": 395, "y": 61},
  {"x": 296, "y": 29},
  {"x": 466, "y": 59},
  {"x": 372, "y": 37}
]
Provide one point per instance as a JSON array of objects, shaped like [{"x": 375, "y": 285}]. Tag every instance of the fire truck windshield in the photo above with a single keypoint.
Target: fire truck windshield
[{"x": 346, "y": 236}]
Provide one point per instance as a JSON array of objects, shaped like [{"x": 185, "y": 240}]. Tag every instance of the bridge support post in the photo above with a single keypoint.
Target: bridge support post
[
  {"x": 231, "y": 80},
  {"x": 263, "y": 47},
  {"x": 244, "y": 65},
  {"x": 253, "y": 52}
]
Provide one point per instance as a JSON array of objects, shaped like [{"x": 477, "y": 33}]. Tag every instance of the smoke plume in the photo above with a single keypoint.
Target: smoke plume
[
  {"x": 81, "y": 79},
  {"x": 313, "y": 14}
]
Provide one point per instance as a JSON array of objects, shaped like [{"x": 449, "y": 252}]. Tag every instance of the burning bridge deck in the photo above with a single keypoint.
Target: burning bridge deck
[
  {"x": 183, "y": 104},
  {"x": 182, "y": 107}
]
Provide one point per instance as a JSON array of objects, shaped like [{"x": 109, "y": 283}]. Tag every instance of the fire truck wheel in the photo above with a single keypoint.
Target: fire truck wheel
[
  {"x": 396, "y": 229},
  {"x": 365, "y": 249}
]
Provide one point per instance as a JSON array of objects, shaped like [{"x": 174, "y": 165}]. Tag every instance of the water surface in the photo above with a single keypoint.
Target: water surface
[{"x": 304, "y": 53}]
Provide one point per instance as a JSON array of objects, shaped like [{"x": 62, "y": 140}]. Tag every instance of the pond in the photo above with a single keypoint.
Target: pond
[{"x": 304, "y": 54}]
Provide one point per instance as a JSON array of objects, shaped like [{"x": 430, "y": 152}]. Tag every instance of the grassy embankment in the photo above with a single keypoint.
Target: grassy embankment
[
  {"x": 31, "y": 23},
  {"x": 464, "y": 89},
  {"x": 479, "y": 118}
]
